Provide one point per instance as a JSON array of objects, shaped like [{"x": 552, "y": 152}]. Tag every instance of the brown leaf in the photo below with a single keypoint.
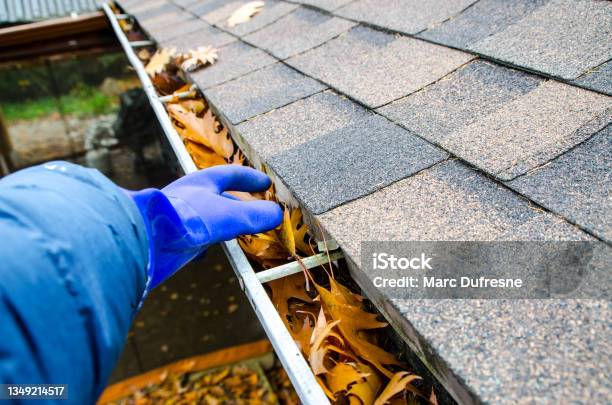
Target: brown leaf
[
  {"x": 367, "y": 389},
  {"x": 287, "y": 288},
  {"x": 201, "y": 130},
  {"x": 340, "y": 305},
  {"x": 159, "y": 61},
  {"x": 319, "y": 348},
  {"x": 245, "y": 13},
  {"x": 286, "y": 233},
  {"x": 399, "y": 382},
  {"x": 300, "y": 231},
  {"x": 202, "y": 156},
  {"x": 342, "y": 376},
  {"x": 263, "y": 247},
  {"x": 166, "y": 83}
]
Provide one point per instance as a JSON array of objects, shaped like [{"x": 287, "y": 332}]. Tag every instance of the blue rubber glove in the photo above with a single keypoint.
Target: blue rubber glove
[{"x": 194, "y": 212}]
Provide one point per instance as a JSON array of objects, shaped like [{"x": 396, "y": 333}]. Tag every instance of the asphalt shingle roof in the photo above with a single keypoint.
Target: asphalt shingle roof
[
  {"x": 204, "y": 36},
  {"x": 375, "y": 68},
  {"x": 261, "y": 91},
  {"x": 576, "y": 184},
  {"x": 407, "y": 16},
  {"x": 438, "y": 120},
  {"x": 297, "y": 32},
  {"x": 235, "y": 60},
  {"x": 564, "y": 38}
]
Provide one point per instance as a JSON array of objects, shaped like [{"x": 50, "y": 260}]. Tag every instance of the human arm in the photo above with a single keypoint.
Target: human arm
[{"x": 75, "y": 254}]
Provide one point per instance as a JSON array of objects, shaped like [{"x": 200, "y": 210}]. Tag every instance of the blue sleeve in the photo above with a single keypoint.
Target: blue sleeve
[{"x": 73, "y": 257}]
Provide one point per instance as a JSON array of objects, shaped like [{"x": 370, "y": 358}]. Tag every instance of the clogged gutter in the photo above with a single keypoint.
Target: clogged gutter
[{"x": 328, "y": 321}]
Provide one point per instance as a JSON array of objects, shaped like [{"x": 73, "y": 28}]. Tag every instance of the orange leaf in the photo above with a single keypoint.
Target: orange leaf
[
  {"x": 286, "y": 233},
  {"x": 341, "y": 305},
  {"x": 318, "y": 348},
  {"x": 399, "y": 382},
  {"x": 201, "y": 130},
  {"x": 202, "y": 156}
]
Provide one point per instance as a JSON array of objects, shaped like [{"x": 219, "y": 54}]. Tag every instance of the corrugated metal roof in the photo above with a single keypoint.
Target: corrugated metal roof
[{"x": 22, "y": 11}]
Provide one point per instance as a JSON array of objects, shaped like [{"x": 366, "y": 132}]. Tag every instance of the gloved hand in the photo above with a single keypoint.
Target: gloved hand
[{"x": 194, "y": 212}]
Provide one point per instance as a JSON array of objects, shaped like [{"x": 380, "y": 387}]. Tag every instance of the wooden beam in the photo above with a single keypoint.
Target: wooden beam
[{"x": 54, "y": 28}]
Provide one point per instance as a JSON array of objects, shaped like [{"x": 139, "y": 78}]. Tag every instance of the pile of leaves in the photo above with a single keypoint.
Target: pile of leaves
[
  {"x": 338, "y": 336},
  {"x": 238, "y": 384},
  {"x": 279, "y": 380}
]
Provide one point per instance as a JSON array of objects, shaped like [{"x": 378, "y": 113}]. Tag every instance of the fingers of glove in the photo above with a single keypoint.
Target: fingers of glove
[
  {"x": 236, "y": 178},
  {"x": 243, "y": 218}
]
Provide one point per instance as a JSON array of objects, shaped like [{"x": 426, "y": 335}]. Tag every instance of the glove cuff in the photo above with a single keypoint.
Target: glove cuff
[{"x": 175, "y": 232}]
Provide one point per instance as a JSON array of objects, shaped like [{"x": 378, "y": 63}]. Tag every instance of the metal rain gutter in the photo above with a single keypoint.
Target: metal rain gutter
[{"x": 289, "y": 354}]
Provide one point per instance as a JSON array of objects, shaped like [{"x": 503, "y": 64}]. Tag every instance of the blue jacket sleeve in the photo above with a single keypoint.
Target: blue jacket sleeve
[{"x": 73, "y": 257}]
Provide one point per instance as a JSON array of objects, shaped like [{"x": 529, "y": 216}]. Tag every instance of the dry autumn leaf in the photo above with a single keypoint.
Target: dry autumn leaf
[
  {"x": 285, "y": 289},
  {"x": 201, "y": 130},
  {"x": 343, "y": 376},
  {"x": 365, "y": 391},
  {"x": 340, "y": 305},
  {"x": 318, "y": 347},
  {"x": 195, "y": 59},
  {"x": 202, "y": 156},
  {"x": 399, "y": 382},
  {"x": 245, "y": 13},
  {"x": 286, "y": 233},
  {"x": 166, "y": 83},
  {"x": 159, "y": 61}
]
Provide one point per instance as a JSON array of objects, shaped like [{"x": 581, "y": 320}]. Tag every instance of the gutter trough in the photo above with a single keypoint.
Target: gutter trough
[{"x": 288, "y": 353}]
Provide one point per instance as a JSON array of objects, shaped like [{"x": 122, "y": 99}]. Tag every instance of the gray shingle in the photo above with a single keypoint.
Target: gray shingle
[
  {"x": 518, "y": 351},
  {"x": 376, "y": 68},
  {"x": 576, "y": 185},
  {"x": 328, "y": 5},
  {"x": 446, "y": 202},
  {"x": 175, "y": 27},
  {"x": 352, "y": 161},
  {"x": 530, "y": 130},
  {"x": 408, "y": 16},
  {"x": 485, "y": 18},
  {"x": 473, "y": 91},
  {"x": 564, "y": 38},
  {"x": 235, "y": 60},
  {"x": 217, "y": 11},
  {"x": 272, "y": 11},
  {"x": 599, "y": 78},
  {"x": 143, "y": 13},
  {"x": 297, "y": 32},
  {"x": 261, "y": 91},
  {"x": 206, "y": 36},
  {"x": 133, "y": 7},
  {"x": 300, "y": 122},
  {"x": 185, "y": 3}
]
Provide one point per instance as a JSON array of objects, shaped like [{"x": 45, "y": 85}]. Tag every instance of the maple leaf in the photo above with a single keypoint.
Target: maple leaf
[
  {"x": 245, "y": 13},
  {"x": 399, "y": 382},
  {"x": 159, "y": 61},
  {"x": 202, "y": 56}
]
